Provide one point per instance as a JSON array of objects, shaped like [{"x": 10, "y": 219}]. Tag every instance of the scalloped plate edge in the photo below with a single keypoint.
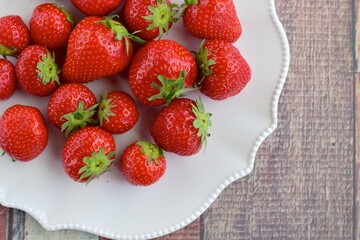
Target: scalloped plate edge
[{"x": 237, "y": 175}]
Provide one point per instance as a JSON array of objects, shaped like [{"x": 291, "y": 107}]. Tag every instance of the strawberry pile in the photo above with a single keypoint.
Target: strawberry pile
[{"x": 160, "y": 73}]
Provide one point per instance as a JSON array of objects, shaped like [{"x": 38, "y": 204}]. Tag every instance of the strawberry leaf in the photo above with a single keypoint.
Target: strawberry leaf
[
  {"x": 48, "y": 69},
  {"x": 202, "y": 121}
]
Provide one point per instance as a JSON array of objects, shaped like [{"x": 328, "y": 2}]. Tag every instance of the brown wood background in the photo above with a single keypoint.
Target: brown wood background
[{"x": 304, "y": 185}]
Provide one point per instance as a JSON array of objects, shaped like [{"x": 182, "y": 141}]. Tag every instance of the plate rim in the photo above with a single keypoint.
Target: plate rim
[{"x": 235, "y": 176}]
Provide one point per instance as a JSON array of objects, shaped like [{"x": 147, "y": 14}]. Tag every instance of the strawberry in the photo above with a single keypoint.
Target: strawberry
[
  {"x": 181, "y": 127},
  {"x": 97, "y": 47},
  {"x": 223, "y": 72},
  {"x": 96, "y": 7},
  {"x": 7, "y": 79},
  {"x": 14, "y": 35},
  {"x": 152, "y": 18},
  {"x": 212, "y": 19},
  {"x": 117, "y": 112},
  {"x": 88, "y": 153},
  {"x": 23, "y": 132},
  {"x": 72, "y": 106},
  {"x": 50, "y": 25},
  {"x": 161, "y": 71},
  {"x": 36, "y": 71},
  {"x": 142, "y": 163}
]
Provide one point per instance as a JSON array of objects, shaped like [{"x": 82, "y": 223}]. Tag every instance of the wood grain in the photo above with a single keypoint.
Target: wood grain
[
  {"x": 3, "y": 222},
  {"x": 302, "y": 186}
]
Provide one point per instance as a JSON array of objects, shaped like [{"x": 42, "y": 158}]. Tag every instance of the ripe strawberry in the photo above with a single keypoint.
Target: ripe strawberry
[
  {"x": 72, "y": 106},
  {"x": 88, "y": 153},
  {"x": 36, "y": 71},
  {"x": 96, "y": 7},
  {"x": 150, "y": 17},
  {"x": 117, "y": 112},
  {"x": 7, "y": 79},
  {"x": 50, "y": 25},
  {"x": 223, "y": 72},
  {"x": 97, "y": 47},
  {"x": 23, "y": 132},
  {"x": 142, "y": 163},
  {"x": 212, "y": 19},
  {"x": 181, "y": 127},
  {"x": 161, "y": 71},
  {"x": 14, "y": 35}
]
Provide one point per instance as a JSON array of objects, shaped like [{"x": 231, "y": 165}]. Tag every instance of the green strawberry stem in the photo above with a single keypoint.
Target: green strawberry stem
[
  {"x": 48, "y": 71},
  {"x": 67, "y": 14},
  {"x": 151, "y": 151},
  {"x": 78, "y": 119},
  {"x": 186, "y": 4},
  {"x": 105, "y": 109},
  {"x": 203, "y": 62},
  {"x": 120, "y": 31},
  {"x": 7, "y": 51},
  {"x": 202, "y": 121},
  {"x": 170, "y": 88},
  {"x": 97, "y": 164},
  {"x": 161, "y": 16}
]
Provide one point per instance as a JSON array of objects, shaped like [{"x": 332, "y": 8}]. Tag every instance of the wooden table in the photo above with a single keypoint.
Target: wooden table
[{"x": 305, "y": 184}]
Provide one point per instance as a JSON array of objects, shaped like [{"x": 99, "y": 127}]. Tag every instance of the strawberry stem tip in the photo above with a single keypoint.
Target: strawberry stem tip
[
  {"x": 151, "y": 151},
  {"x": 7, "y": 51},
  {"x": 120, "y": 31},
  {"x": 161, "y": 15},
  {"x": 170, "y": 88},
  {"x": 203, "y": 62},
  {"x": 105, "y": 109},
  {"x": 202, "y": 121},
  {"x": 97, "y": 164},
  {"x": 67, "y": 14},
  {"x": 48, "y": 69},
  {"x": 78, "y": 119}
]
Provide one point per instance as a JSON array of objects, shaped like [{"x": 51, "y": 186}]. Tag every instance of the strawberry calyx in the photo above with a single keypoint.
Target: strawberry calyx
[
  {"x": 67, "y": 14},
  {"x": 161, "y": 16},
  {"x": 48, "y": 70},
  {"x": 96, "y": 164},
  {"x": 170, "y": 88},
  {"x": 151, "y": 151},
  {"x": 7, "y": 51},
  {"x": 120, "y": 31},
  {"x": 78, "y": 119},
  {"x": 203, "y": 62},
  {"x": 186, "y": 4},
  {"x": 105, "y": 109},
  {"x": 202, "y": 121}
]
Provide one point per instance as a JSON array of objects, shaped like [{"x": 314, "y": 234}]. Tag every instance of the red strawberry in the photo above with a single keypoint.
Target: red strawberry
[
  {"x": 150, "y": 17},
  {"x": 212, "y": 19},
  {"x": 88, "y": 153},
  {"x": 142, "y": 163},
  {"x": 7, "y": 79},
  {"x": 117, "y": 112},
  {"x": 72, "y": 106},
  {"x": 96, "y": 7},
  {"x": 181, "y": 127},
  {"x": 14, "y": 35},
  {"x": 23, "y": 132},
  {"x": 97, "y": 47},
  {"x": 223, "y": 71},
  {"x": 36, "y": 71},
  {"x": 161, "y": 71},
  {"x": 50, "y": 25}
]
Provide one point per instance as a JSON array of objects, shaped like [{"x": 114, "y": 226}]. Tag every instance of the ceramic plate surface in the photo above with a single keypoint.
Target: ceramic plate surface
[{"x": 111, "y": 207}]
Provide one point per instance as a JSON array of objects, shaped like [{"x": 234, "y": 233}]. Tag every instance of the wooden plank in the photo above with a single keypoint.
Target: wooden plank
[
  {"x": 3, "y": 222},
  {"x": 357, "y": 118},
  {"x": 302, "y": 185},
  {"x": 16, "y": 220},
  {"x": 34, "y": 231}
]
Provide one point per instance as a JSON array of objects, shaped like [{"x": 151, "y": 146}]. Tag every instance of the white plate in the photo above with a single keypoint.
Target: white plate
[{"x": 111, "y": 207}]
